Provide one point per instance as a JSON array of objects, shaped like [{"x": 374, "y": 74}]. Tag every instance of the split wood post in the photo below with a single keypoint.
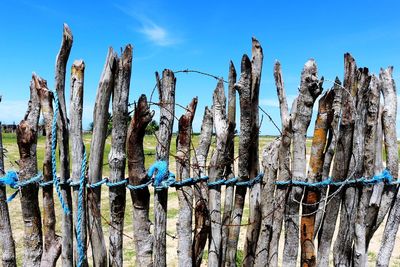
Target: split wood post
[
  {"x": 333, "y": 134},
  {"x": 253, "y": 229},
  {"x": 243, "y": 86},
  {"x": 117, "y": 156},
  {"x": 388, "y": 89},
  {"x": 77, "y": 150},
  {"x": 284, "y": 155},
  {"x": 137, "y": 175},
  {"x": 6, "y": 236},
  {"x": 310, "y": 89},
  {"x": 230, "y": 170},
  {"x": 52, "y": 242},
  {"x": 27, "y": 131},
  {"x": 63, "y": 144},
  {"x": 185, "y": 193},
  {"x": 270, "y": 164},
  {"x": 166, "y": 90},
  {"x": 343, "y": 154},
  {"x": 100, "y": 119},
  {"x": 201, "y": 212},
  {"x": 372, "y": 98},
  {"x": 343, "y": 246},
  {"x": 216, "y": 172},
  {"x": 312, "y": 195}
]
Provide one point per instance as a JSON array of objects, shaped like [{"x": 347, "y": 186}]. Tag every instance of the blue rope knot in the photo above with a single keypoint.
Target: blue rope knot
[
  {"x": 163, "y": 178},
  {"x": 10, "y": 178}
]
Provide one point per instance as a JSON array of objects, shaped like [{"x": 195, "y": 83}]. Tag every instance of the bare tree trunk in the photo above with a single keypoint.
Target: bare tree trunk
[
  {"x": 333, "y": 134},
  {"x": 270, "y": 164},
  {"x": 52, "y": 242},
  {"x": 117, "y": 156},
  {"x": 253, "y": 229},
  {"x": 216, "y": 169},
  {"x": 244, "y": 89},
  {"x": 343, "y": 246},
  {"x": 230, "y": 170},
  {"x": 185, "y": 193},
  {"x": 388, "y": 89},
  {"x": 63, "y": 144},
  {"x": 341, "y": 163},
  {"x": 137, "y": 175},
  {"x": 27, "y": 139},
  {"x": 76, "y": 108},
  {"x": 202, "y": 215},
  {"x": 310, "y": 89},
  {"x": 6, "y": 237},
  {"x": 284, "y": 155},
  {"x": 100, "y": 117},
  {"x": 312, "y": 195},
  {"x": 166, "y": 91},
  {"x": 360, "y": 256}
]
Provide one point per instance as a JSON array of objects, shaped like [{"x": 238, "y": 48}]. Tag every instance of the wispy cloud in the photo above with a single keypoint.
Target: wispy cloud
[{"x": 274, "y": 102}]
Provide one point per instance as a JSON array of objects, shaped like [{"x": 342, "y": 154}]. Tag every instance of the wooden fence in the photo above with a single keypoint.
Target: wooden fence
[{"x": 350, "y": 175}]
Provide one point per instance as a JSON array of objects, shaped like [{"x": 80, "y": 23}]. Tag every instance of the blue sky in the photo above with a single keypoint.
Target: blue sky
[{"x": 200, "y": 35}]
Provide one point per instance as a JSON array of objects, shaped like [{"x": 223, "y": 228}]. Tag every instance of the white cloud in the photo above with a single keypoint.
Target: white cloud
[{"x": 274, "y": 102}]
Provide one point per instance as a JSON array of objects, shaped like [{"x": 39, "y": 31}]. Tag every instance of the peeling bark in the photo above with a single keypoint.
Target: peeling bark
[
  {"x": 185, "y": 193},
  {"x": 27, "y": 131},
  {"x": 138, "y": 175}
]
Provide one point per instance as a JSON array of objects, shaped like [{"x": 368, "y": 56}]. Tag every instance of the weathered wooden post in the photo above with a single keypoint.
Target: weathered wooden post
[
  {"x": 27, "y": 140},
  {"x": 253, "y": 229},
  {"x": 166, "y": 91},
  {"x": 52, "y": 242},
  {"x": 201, "y": 212},
  {"x": 185, "y": 193},
  {"x": 117, "y": 156},
  {"x": 230, "y": 170},
  {"x": 215, "y": 173},
  {"x": 312, "y": 195},
  {"x": 343, "y": 153},
  {"x": 77, "y": 150},
  {"x": 310, "y": 89},
  {"x": 6, "y": 237},
  {"x": 63, "y": 144},
  {"x": 243, "y": 86},
  {"x": 100, "y": 119}
]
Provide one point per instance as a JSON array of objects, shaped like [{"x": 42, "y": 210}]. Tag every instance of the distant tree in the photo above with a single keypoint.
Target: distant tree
[
  {"x": 90, "y": 128},
  {"x": 152, "y": 127}
]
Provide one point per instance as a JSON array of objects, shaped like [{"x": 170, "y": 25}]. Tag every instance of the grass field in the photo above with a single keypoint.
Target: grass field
[{"x": 9, "y": 142}]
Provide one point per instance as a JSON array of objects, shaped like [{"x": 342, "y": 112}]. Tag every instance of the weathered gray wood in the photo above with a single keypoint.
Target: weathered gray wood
[
  {"x": 312, "y": 195},
  {"x": 201, "y": 212},
  {"x": 333, "y": 133},
  {"x": 343, "y": 246},
  {"x": 284, "y": 155},
  {"x": 185, "y": 193},
  {"x": 270, "y": 164},
  {"x": 253, "y": 229},
  {"x": 100, "y": 118},
  {"x": 372, "y": 97},
  {"x": 77, "y": 149},
  {"x": 6, "y": 236},
  {"x": 52, "y": 242},
  {"x": 215, "y": 172},
  {"x": 63, "y": 144},
  {"x": 230, "y": 170},
  {"x": 310, "y": 89},
  {"x": 341, "y": 161},
  {"x": 117, "y": 156},
  {"x": 166, "y": 91},
  {"x": 137, "y": 175},
  {"x": 388, "y": 89},
  {"x": 27, "y": 131},
  {"x": 243, "y": 86}
]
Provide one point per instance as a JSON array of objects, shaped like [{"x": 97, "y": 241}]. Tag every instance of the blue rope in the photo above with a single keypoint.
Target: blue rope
[
  {"x": 81, "y": 199},
  {"x": 11, "y": 179},
  {"x": 163, "y": 178},
  {"x": 97, "y": 184},
  {"x": 53, "y": 155},
  {"x": 118, "y": 183}
]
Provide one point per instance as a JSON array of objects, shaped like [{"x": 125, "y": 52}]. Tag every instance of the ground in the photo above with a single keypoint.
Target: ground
[{"x": 9, "y": 141}]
